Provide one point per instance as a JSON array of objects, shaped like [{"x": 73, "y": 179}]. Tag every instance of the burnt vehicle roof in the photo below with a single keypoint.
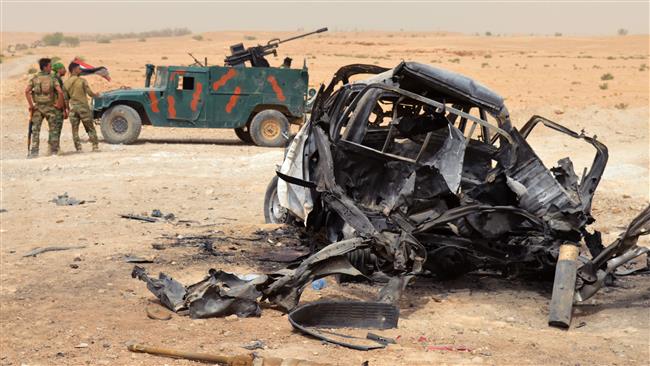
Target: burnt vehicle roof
[
  {"x": 449, "y": 87},
  {"x": 454, "y": 86}
]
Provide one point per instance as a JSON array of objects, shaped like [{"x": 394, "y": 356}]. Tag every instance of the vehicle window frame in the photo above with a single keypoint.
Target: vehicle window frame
[
  {"x": 477, "y": 121},
  {"x": 181, "y": 81},
  {"x": 160, "y": 78},
  {"x": 346, "y": 97}
]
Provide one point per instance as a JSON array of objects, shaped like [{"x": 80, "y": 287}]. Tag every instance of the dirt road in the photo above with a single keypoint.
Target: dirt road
[
  {"x": 82, "y": 307},
  {"x": 16, "y": 67}
]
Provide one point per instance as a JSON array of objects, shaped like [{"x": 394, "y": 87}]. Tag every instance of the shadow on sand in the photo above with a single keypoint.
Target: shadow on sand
[{"x": 192, "y": 141}]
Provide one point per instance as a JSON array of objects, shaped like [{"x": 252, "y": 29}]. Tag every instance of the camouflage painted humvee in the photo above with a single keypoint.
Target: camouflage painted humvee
[{"x": 259, "y": 102}]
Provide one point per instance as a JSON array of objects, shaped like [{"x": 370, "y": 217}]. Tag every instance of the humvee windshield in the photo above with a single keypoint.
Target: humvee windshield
[{"x": 160, "y": 78}]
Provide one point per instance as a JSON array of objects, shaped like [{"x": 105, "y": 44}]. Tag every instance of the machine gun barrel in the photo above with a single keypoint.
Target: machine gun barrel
[
  {"x": 255, "y": 55},
  {"x": 299, "y": 36}
]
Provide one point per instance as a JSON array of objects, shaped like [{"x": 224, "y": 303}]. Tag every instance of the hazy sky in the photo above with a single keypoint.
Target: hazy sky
[{"x": 541, "y": 17}]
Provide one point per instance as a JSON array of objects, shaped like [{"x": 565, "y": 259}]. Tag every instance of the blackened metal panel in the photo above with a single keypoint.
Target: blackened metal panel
[{"x": 454, "y": 86}]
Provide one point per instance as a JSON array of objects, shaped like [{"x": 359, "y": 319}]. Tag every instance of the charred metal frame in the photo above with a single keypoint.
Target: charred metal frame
[
  {"x": 517, "y": 216},
  {"x": 520, "y": 214},
  {"x": 441, "y": 106}
]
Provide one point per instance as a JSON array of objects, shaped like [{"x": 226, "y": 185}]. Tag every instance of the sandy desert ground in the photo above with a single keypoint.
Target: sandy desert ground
[{"x": 52, "y": 313}]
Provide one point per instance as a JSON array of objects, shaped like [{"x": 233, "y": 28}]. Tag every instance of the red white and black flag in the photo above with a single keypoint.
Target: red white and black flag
[{"x": 87, "y": 69}]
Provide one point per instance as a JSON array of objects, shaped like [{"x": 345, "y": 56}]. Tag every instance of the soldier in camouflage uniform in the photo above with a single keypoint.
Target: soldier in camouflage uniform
[
  {"x": 44, "y": 96},
  {"x": 76, "y": 89},
  {"x": 58, "y": 71}
]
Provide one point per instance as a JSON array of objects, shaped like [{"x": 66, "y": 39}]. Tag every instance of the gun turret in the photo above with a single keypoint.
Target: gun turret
[{"x": 255, "y": 55}]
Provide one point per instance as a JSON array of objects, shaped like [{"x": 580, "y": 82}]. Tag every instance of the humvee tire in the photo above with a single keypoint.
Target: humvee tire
[
  {"x": 269, "y": 128},
  {"x": 244, "y": 134},
  {"x": 121, "y": 124}
]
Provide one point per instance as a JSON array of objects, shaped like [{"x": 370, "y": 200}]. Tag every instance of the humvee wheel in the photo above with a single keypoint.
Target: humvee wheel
[
  {"x": 244, "y": 134},
  {"x": 269, "y": 128},
  {"x": 121, "y": 124}
]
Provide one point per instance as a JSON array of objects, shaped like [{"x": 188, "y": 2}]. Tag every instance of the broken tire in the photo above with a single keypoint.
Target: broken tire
[
  {"x": 121, "y": 124},
  {"x": 269, "y": 128},
  {"x": 273, "y": 212},
  {"x": 244, "y": 134}
]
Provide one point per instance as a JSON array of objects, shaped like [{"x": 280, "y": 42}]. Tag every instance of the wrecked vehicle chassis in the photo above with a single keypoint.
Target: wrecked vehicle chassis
[{"x": 425, "y": 166}]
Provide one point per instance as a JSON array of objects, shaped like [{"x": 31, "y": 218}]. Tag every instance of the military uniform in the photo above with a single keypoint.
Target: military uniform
[
  {"x": 55, "y": 129},
  {"x": 43, "y": 86},
  {"x": 76, "y": 89}
]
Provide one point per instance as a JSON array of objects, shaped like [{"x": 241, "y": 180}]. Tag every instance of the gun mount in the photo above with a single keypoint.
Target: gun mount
[{"x": 255, "y": 55}]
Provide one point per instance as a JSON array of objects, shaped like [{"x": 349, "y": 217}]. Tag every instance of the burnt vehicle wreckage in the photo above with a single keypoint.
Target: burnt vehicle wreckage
[{"x": 419, "y": 170}]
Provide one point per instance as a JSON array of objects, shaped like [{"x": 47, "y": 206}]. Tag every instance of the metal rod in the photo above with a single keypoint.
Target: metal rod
[
  {"x": 205, "y": 357},
  {"x": 304, "y": 35},
  {"x": 424, "y": 146},
  {"x": 471, "y": 130},
  {"x": 239, "y": 360},
  {"x": 463, "y": 121},
  {"x": 388, "y": 138},
  {"x": 484, "y": 131},
  {"x": 563, "y": 287}
]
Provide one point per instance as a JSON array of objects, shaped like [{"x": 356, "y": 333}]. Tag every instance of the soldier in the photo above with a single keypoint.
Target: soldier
[
  {"x": 77, "y": 89},
  {"x": 44, "y": 96},
  {"x": 286, "y": 64},
  {"x": 58, "y": 72}
]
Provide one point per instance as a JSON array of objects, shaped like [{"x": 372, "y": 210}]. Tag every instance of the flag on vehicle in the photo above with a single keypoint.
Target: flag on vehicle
[{"x": 87, "y": 69}]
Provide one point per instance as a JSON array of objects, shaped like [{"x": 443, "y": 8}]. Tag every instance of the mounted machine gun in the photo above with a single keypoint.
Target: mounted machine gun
[{"x": 255, "y": 55}]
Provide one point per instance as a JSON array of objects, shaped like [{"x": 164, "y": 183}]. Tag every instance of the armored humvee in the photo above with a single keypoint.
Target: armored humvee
[{"x": 258, "y": 102}]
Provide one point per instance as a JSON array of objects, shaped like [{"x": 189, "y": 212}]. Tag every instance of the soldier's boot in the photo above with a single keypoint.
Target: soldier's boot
[
  {"x": 94, "y": 140},
  {"x": 34, "y": 148},
  {"x": 93, "y": 136},
  {"x": 54, "y": 149},
  {"x": 75, "y": 135},
  {"x": 51, "y": 149}
]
